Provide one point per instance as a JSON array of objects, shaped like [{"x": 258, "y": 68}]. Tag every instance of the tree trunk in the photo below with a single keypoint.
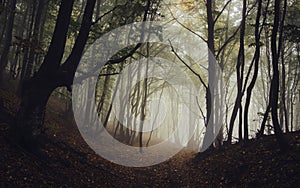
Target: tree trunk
[
  {"x": 17, "y": 59},
  {"x": 275, "y": 80},
  {"x": 38, "y": 89},
  {"x": 239, "y": 72},
  {"x": 3, "y": 29},
  {"x": 2, "y": 5},
  {"x": 281, "y": 48},
  {"x": 211, "y": 77},
  {"x": 30, "y": 116},
  {"x": 34, "y": 41},
  {"x": 28, "y": 37},
  {"x": 8, "y": 37},
  {"x": 255, "y": 74}
]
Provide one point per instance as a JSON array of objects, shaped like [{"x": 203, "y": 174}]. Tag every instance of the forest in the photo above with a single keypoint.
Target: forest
[{"x": 149, "y": 93}]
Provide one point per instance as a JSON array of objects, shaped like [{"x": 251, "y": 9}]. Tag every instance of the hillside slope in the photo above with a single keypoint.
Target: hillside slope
[{"x": 67, "y": 161}]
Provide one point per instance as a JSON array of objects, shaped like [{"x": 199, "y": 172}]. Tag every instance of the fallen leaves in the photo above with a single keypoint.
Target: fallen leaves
[{"x": 69, "y": 162}]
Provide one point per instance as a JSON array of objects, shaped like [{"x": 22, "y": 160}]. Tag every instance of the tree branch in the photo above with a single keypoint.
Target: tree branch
[
  {"x": 234, "y": 34},
  {"x": 220, "y": 13},
  {"x": 185, "y": 27},
  {"x": 194, "y": 72},
  {"x": 71, "y": 64},
  {"x": 108, "y": 12}
]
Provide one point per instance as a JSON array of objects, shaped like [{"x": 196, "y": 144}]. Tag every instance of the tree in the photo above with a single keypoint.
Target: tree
[
  {"x": 240, "y": 77},
  {"x": 36, "y": 29},
  {"x": 8, "y": 37},
  {"x": 51, "y": 74},
  {"x": 275, "y": 80},
  {"x": 255, "y": 74},
  {"x": 210, "y": 90}
]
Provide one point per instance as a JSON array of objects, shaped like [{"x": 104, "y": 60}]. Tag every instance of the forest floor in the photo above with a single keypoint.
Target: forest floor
[{"x": 68, "y": 162}]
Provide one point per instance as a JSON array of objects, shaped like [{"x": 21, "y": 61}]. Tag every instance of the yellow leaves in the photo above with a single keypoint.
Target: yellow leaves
[{"x": 186, "y": 5}]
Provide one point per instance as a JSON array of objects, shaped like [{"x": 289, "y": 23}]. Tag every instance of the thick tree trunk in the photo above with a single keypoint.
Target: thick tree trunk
[
  {"x": 28, "y": 127},
  {"x": 38, "y": 89}
]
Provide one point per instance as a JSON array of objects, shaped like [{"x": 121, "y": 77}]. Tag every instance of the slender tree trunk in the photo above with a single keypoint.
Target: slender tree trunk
[
  {"x": 113, "y": 98},
  {"x": 268, "y": 108},
  {"x": 42, "y": 29},
  {"x": 211, "y": 76},
  {"x": 239, "y": 73},
  {"x": 292, "y": 115},
  {"x": 283, "y": 93},
  {"x": 136, "y": 102},
  {"x": 34, "y": 41},
  {"x": 17, "y": 59},
  {"x": 255, "y": 74},
  {"x": 265, "y": 119},
  {"x": 8, "y": 37},
  {"x": 103, "y": 95},
  {"x": 2, "y": 5},
  {"x": 3, "y": 29},
  {"x": 144, "y": 99},
  {"x": 220, "y": 138},
  {"x": 281, "y": 48},
  {"x": 275, "y": 80},
  {"x": 26, "y": 50}
]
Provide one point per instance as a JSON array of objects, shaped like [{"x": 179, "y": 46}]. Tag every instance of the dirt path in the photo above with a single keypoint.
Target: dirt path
[{"x": 67, "y": 161}]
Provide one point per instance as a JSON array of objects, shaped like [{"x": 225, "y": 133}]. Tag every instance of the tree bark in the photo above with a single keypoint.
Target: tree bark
[
  {"x": 281, "y": 48},
  {"x": 255, "y": 74},
  {"x": 211, "y": 75},
  {"x": 8, "y": 37},
  {"x": 31, "y": 18},
  {"x": 37, "y": 90},
  {"x": 239, "y": 73},
  {"x": 275, "y": 80},
  {"x": 34, "y": 42}
]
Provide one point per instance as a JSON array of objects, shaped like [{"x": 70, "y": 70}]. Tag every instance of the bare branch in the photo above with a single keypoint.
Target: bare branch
[
  {"x": 228, "y": 41},
  {"x": 220, "y": 13},
  {"x": 202, "y": 113},
  {"x": 185, "y": 27},
  {"x": 108, "y": 12},
  {"x": 194, "y": 72},
  {"x": 234, "y": 34}
]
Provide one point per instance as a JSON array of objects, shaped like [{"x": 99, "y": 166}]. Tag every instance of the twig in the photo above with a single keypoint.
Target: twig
[{"x": 194, "y": 72}]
